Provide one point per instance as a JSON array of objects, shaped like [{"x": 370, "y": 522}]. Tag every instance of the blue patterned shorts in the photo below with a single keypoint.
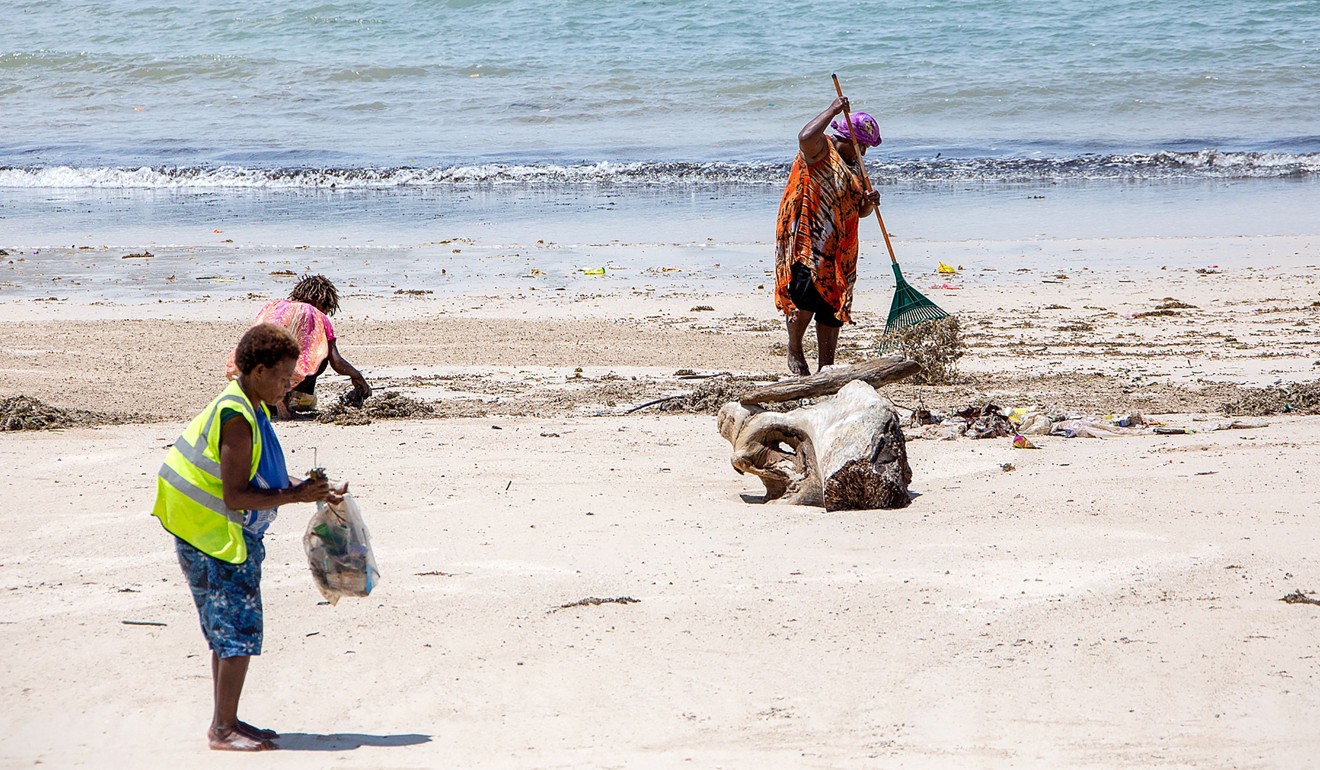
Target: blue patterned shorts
[{"x": 228, "y": 597}]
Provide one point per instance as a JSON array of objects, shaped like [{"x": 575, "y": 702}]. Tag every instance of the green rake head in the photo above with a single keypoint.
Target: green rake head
[{"x": 910, "y": 307}]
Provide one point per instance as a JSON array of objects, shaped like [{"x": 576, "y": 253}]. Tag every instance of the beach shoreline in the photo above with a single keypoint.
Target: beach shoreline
[{"x": 1100, "y": 317}]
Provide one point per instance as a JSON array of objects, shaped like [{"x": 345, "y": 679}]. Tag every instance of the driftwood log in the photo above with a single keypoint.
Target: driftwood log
[
  {"x": 845, "y": 452},
  {"x": 881, "y": 371}
]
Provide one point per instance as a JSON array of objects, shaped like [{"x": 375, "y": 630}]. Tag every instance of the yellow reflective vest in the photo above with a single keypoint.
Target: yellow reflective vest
[{"x": 190, "y": 500}]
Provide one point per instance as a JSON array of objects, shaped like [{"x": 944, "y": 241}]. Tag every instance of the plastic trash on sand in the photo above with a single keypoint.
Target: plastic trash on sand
[
  {"x": 1083, "y": 429},
  {"x": 1033, "y": 423},
  {"x": 339, "y": 551},
  {"x": 1133, "y": 420}
]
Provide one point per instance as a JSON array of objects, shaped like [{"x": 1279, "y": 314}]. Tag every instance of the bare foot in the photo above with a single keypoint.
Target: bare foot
[
  {"x": 232, "y": 739},
  {"x": 798, "y": 364},
  {"x": 256, "y": 733}
]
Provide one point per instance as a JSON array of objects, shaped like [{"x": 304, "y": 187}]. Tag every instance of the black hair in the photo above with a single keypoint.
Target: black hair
[{"x": 317, "y": 291}]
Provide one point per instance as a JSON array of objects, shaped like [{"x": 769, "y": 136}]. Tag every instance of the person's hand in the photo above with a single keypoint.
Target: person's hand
[
  {"x": 337, "y": 493},
  {"x": 311, "y": 491},
  {"x": 362, "y": 388},
  {"x": 872, "y": 197},
  {"x": 840, "y": 104}
]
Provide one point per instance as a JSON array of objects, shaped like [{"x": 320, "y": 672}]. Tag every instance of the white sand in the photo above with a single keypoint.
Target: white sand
[{"x": 1108, "y": 603}]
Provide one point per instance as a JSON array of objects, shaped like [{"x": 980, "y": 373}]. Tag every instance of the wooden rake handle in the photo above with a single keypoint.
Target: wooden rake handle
[{"x": 866, "y": 180}]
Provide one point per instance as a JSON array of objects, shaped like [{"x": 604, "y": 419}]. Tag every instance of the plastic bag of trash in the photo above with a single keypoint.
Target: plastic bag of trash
[{"x": 339, "y": 551}]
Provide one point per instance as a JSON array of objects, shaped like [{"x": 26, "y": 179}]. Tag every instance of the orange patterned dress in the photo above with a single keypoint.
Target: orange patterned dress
[{"x": 817, "y": 227}]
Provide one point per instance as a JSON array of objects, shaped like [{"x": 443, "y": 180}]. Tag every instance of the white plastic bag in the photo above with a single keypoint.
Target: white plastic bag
[{"x": 339, "y": 551}]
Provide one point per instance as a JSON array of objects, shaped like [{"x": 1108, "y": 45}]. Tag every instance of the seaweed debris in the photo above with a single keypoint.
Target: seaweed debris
[
  {"x": 715, "y": 392},
  {"x": 936, "y": 345},
  {"x": 1297, "y": 398},
  {"x": 27, "y": 413},
  {"x": 390, "y": 405},
  {"x": 594, "y": 601}
]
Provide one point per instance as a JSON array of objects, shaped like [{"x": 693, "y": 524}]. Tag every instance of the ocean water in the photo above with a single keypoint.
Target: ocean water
[{"x": 355, "y": 120}]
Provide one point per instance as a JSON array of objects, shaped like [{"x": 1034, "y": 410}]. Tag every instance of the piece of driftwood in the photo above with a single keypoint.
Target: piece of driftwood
[
  {"x": 879, "y": 372},
  {"x": 846, "y": 452}
]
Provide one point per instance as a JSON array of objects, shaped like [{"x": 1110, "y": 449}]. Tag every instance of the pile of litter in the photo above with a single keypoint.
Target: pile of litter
[
  {"x": 1297, "y": 398},
  {"x": 27, "y": 413},
  {"x": 390, "y": 405},
  {"x": 991, "y": 421}
]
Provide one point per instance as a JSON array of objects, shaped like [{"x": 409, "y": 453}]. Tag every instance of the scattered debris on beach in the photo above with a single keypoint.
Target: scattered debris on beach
[
  {"x": 986, "y": 420},
  {"x": 594, "y": 601},
  {"x": 27, "y": 413},
  {"x": 144, "y": 254},
  {"x": 1297, "y": 597},
  {"x": 1297, "y": 398},
  {"x": 391, "y": 405}
]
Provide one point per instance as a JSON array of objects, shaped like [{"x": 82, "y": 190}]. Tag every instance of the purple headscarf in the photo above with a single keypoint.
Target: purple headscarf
[{"x": 864, "y": 128}]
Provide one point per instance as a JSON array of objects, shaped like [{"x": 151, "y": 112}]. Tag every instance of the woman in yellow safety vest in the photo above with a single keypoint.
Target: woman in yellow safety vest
[{"x": 217, "y": 492}]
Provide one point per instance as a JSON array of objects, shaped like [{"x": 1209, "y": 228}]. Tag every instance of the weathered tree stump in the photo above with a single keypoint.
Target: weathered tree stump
[{"x": 846, "y": 452}]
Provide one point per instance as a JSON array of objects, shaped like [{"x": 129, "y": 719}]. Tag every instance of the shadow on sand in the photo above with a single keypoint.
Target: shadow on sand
[
  {"x": 762, "y": 499},
  {"x": 344, "y": 741}
]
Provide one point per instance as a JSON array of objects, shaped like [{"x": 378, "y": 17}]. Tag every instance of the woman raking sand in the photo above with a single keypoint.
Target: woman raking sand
[{"x": 816, "y": 233}]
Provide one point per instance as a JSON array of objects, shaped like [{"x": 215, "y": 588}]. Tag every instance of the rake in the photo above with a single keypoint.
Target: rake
[{"x": 910, "y": 307}]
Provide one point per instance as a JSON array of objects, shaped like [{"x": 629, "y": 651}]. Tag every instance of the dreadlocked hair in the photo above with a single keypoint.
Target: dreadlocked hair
[{"x": 318, "y": 291}]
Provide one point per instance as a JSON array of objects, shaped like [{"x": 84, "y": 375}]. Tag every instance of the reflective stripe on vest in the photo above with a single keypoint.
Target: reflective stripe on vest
[
  {"x": 189, "y": 492},
  {"x": 199, "y": 496},
  {"x": 195, "y": 452}
]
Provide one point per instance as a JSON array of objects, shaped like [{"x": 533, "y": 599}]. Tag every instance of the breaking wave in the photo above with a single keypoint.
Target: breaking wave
[{"x": 1205, "y": 164}]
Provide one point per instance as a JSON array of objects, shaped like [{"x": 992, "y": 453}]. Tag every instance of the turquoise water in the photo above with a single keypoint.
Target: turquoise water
[
  {"x": 456, "y": 83},
  {"x": 447, "y": 115}
]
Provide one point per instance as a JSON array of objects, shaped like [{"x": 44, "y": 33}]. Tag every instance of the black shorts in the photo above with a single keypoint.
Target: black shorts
[
  {"x": 308, "y": 384},
  {"x": 802, "y": 290}
]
